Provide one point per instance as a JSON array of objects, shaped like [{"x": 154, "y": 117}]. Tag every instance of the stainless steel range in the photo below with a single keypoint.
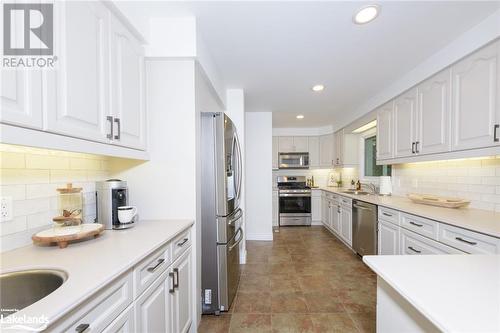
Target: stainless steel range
[{"x": 294, "y": 201}]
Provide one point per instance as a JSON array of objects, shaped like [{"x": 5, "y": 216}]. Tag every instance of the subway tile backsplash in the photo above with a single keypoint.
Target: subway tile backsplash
[
  {"x": 30, "y": 177},
  {"x": 477, "y": 180}
]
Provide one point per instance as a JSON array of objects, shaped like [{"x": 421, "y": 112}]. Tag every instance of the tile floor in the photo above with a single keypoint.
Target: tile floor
[{"x": 304, "y": 281}]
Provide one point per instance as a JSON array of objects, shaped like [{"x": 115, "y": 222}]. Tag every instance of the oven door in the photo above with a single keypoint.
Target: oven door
[
  {"x": 294, "y": 209},
  {"x": 294, "y": 161}
]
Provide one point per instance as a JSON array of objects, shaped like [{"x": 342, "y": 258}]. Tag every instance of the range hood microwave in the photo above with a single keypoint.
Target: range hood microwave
[{"x": 294, "y": 160}]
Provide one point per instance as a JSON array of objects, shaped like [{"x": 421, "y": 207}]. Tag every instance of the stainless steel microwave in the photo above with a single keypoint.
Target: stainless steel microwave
[{"x": 294, "y": 160}]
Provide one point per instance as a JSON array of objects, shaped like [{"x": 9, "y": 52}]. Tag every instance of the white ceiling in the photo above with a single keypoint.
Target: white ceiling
[{"x": 276, "y": 51}]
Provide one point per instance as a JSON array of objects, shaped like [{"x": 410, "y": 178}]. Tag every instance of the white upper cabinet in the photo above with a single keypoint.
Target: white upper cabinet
[
  {"x": 300, "y": 144},
  {"x": 338, "y": 138},
  {"x": 475, "y": 105},
  {"x": 385, "y": 148},
  {"x": 77, "y": 91},
  {"x": 433, "y": 124},
  {"x": 127, "y": 82},
  {"x": 405, "y": 121},
  {"x": 275, "y": 152},
  {"x": 21, "y": 98},
  {"x": 326, "y": 150},
  {"x": 314, "y": 152},
  {"x": 285, "y": 144}
]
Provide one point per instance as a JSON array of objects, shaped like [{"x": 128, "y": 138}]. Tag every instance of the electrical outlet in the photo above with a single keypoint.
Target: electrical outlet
[{"x": 5, "y": 209}]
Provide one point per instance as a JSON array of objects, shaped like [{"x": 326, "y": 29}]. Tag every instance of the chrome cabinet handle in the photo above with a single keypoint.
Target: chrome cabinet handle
[
  {"x": 117, "y": 121},
  {"x": 176, "y": 278},
  {"x": 495, "y": 128},
  {"x": 172, "y": 290},
  {"x": 413, "y": 147},
  {"x": 416, "y": 147},
  {"x": 110, "y": 134},
  {"x": 416, "y": 224},
  {"x": 81, "y": 328},
  {"x": 387, "y": 214},
  {"x": 465, "y": 241},
  {"x": 159, "y": 262},
  {"x": 414, "y": 250},
  {"x": 183, "y": 242}
]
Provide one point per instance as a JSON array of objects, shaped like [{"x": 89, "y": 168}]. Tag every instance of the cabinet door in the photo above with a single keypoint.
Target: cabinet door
[
  {"x": 275, "y": 208},
  {"x": 335, "y": 218},
  {"x": 77, "y": 91},
  {"x": 316, "y": 208},
  {"x": 127, "y": 88},
  {"x": 300, "y": 144},
  {"x": 385, "y": 148},
  {"x": 325, "y": 216},
  {"x": 346, "y": 225},
  {"x": 405, "y": 115},
  {"x": 326, "y": 150},
  {"x": 21, "y": 98},
  {"x": 285, "y": 144},
  {"x": 475, "y": 104},
  {"x": 338, "y": 151},
  {"x": 125, "y": 323},
  {"x": 275, "y": 153},
  {"x": 388, "y": 238},
  {"x": 181, "y": 299},
  {"x": 434, "y": 114},
  {"x": 153, "y": 308},
  {"x": 314, "y": 155}
]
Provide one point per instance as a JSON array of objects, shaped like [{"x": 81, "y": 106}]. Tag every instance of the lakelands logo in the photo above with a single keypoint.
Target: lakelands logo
[
  {"x": 23, "y": 323},
  {"x": 28, "y": 35}
]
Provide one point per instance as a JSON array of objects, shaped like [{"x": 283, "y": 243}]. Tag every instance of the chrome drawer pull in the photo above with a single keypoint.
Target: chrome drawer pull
[
  {"x": 172, "y": 290},
  {"x": 414, "y": 250},
  {"x": 387, "y": 214},
  {"x": 416, "y": 224},
  {"x": 152, "y": 269},
  {"x": 81, "y": 328},
  {"x": 183, "y": 242},
  {"x": 465, "y": 241},
  {"x": 176, "y": 279}
]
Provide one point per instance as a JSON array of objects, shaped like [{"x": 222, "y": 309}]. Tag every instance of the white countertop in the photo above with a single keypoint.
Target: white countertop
[
  {"x": 482, "y": 221},
  {"x": 91, "y": 264},
  {"x": 457, "y": 293}
]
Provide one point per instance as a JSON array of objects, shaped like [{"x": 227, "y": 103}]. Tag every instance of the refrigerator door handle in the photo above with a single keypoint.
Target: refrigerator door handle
[
  {"x": 239, "y": 170},
  {"x": 236, "y": 217},
  {"x": 240, "y": 231}
]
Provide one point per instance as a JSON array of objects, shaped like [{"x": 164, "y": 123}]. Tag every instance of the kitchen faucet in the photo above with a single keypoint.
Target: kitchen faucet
[{"x": 371, "y": 186}]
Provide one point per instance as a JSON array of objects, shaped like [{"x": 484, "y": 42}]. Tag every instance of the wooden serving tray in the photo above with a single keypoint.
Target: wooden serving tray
[
  {"x": 434, "y": 200},
  {"x": 63, "y": 235}
]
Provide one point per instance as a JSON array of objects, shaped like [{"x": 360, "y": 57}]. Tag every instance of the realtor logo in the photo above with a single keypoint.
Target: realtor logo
[{"x": 28, "y": 29}]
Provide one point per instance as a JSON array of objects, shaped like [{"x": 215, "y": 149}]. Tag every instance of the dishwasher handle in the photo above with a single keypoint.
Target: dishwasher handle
[{"x": 362, "y": 207}]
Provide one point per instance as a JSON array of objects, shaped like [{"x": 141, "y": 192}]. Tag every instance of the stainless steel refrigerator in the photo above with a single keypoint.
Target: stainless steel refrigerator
[{"x": 221, "y": 216}]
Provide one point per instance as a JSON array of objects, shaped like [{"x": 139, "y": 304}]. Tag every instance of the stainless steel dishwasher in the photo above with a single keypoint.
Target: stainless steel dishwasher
[{"x": 364, "y": 228}]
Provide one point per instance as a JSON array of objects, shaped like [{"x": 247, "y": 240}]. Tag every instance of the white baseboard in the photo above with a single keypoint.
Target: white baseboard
[
  {"x": 316, "y": 223},
  {"x": 260, "y": 237}
]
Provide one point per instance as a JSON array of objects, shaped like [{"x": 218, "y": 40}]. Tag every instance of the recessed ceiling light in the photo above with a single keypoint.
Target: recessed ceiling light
[
  {"x": 300, "y": 116},
  {"x": 366, "y": 14},
  {"x": 318, "y": 87}
]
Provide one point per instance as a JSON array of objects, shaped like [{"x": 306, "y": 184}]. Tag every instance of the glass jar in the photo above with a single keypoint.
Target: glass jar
[{"x": 70, "y": 206}]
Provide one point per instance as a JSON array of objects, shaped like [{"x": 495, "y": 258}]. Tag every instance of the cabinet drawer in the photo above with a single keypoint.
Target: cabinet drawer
[
  {"x": 388, "y": 215},
  {"x": 181, "y": 243},
  {"x": 420, "y": 225},
  {"x": 99, "y": 310},
  {"x": 346, "y": 202},
  {"x": 413, "y": 244},
  {"x": 150, "y": 268},
  {"x": 468, "y": 241},
  {"x": 125, "y": 323}
]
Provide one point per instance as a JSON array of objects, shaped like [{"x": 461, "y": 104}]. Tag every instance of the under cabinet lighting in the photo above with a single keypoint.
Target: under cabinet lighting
[{"x": 366, "y": 127}]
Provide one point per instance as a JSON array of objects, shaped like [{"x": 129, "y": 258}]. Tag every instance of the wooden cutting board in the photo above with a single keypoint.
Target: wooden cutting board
[
  {"x": 434, "y": 200},
  {"x": 63, "y": 235}
]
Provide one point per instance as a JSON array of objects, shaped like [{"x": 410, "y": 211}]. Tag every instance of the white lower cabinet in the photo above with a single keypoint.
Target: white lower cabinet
[
  {"x": 336, "y": 216},
  {"x": 346, "y": 224},
  {"x": 152, "y": 308},
  {"x": 413, "y": 244},
  {"x": 316, "y": 210},
  {"x": 180, "y": 298},
  {"x": 275, "y": 208},
  {"x": 125, "y": 323},
  {"x": 388, "y": 238}
]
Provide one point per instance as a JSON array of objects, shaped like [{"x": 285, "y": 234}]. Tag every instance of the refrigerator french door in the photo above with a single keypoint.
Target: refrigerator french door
[{"x": 221, "y": 217}]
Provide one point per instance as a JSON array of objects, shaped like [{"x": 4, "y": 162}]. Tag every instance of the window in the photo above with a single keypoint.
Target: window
[{"x": 370, "y": 159}]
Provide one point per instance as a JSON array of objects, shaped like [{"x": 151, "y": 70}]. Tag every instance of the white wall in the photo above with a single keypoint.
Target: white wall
[{"x": 258, "y": 143}]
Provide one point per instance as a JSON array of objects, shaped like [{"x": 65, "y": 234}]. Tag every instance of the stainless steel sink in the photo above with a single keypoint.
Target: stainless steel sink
[
  {"x": 22, "y": 288},
  {"x": 356, "y": 192}
]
